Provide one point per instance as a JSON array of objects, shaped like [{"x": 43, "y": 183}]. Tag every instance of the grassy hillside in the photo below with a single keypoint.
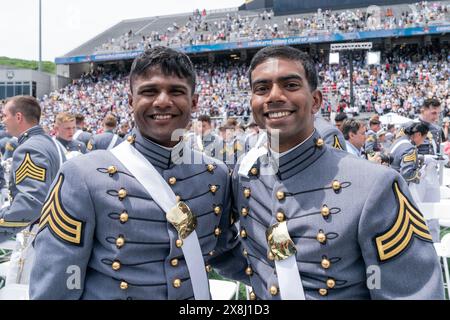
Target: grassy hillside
[{"x": 48, "y": 66}]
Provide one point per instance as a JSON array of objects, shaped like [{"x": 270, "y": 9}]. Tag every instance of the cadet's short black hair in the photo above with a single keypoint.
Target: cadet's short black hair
[
  {"x": 288, "y": 53},
  {"x": 28, "y": 106},
  {"x": 171, "y": 63},
  {"x": 433, "y": 102},
  {"x": 204, "y": 118},
  {"x": 417, "y": 127},
  {"x": 340, "y": 117}
]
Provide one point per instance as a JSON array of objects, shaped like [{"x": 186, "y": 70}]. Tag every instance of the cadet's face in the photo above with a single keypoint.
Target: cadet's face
[
  {"x": 418, "y": 138},
  {"x": 66, "y": 130},
  {"x": 359, "y": 138},
  {"x": 431, "y": 114},
  {"x": 161, "y": 104},
  {"x": 10, "y": 120},
  {"x": 282, "y": 100}
]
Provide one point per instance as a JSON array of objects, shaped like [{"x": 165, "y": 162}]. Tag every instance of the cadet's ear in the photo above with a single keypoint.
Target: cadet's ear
[
  {"x": 194, "y": 102},
  {"x": 130, "y": 100},
  {"x": 317, "y": 96}
]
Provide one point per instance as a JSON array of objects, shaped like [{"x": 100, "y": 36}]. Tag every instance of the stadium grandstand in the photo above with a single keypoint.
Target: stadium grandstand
[{"x": 413, "y": 40}]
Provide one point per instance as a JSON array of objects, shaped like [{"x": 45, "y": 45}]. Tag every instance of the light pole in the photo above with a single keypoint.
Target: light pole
[
  {"x": 40, "y": 36},
  {"x": 350, "y": 47}
]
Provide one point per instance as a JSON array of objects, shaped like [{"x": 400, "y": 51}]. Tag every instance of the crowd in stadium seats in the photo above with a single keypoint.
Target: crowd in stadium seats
[
  {"x": 406, "y": 76},
  {"x": 200, "y": 29}
]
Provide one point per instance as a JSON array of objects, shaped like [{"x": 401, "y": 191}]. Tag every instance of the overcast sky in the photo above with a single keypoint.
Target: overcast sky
[{"x": 69, "y": 23}]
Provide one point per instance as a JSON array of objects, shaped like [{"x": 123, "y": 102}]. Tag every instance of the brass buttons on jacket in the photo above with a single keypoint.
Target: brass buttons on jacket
[
  {"x": 174, "y": 262},
  {"x": 176, "y": 283},
  {"x": 213, "y": 189},
  {"x": 217, "y": 210},
  {"x": 179, "y": 243},
  {"x": 120, "y": 242},
  {"x": 319, "y": 143},
  {"x": 217, "y": 231},
  {"x": 172, "y": 181},
  {"x": 325, "y": 263},
  {"x": 115, "y": 265},
  {"x": 254, "y": 171},
  {"x": 210, "y": 168},
  {"x": 336, "y": 185},
  {"x": 208, "y": 268},
  {"x": 325, "y": 211},
  {"x": 123, "y": 285},
  {"x": 321, "y": 237},
  {"x": 273, "y": 290},
  {"x": 122, "y": 194},
  {"x": 280, "y": 195},
  {"x": 247, "y": 192},
  {"x": 244, "y": 212},
  {"x": 112, "y": 170},
  {"x": 123, "y": 217},
  {"x": 252, "y": 295},
  {"x": 131, "y": 139},
  {"x": 331, "y": 283},
  {"x": 249, "y": 271},
  {"x": 243, "y": 233},
  {"x": 323, "y": 292}
]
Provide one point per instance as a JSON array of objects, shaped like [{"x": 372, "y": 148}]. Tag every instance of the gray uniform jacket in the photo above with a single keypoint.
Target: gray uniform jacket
[
  {"x": 405, "y": 159},
  {"x": 83, "y": 136},
  {"x": 35, "y": 165},
  {"x": 118, "y": 238},
  {"x": 332, "y": 135},
  {"x": 353, "y": 224},
  {"x": 102, "y": 141},
  {"x": 73, "y": 145}
]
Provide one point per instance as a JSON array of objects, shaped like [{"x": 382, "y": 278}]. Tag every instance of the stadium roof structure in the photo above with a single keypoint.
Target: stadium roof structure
[{"x": 92, "y": 50}]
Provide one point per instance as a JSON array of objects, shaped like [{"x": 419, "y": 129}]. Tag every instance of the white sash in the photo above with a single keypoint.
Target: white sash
[
  {"x": 77, "y": 134},
  {"x": 57, "y": 144},
  {"x": 291, "y": 287},
  {"x": 252, "y": 156},
  {"x": 199, "y": 142},
  {"x": 113, "y": 142},
  {"x": 399, "y": 144},
  {"x": 163, "y": 195}
]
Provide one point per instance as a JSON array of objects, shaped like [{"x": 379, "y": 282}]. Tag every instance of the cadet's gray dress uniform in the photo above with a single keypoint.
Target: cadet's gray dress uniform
[
  {"x": 405, "y": 159},
  {"x": 119, "y": 237},
  {"x": 73, "y": 145},
  {"x": 435, "y": 136},
  {"x": 104, "y": 140},
  {"x": 10, "y": 146},
  {"x": 344, "y": 215},
  {"x": 329, "y": 133},
  {"x": 371, "y": 145},
  {"x": 35, "y": 165},
  {"x": 83, "y": 136}
]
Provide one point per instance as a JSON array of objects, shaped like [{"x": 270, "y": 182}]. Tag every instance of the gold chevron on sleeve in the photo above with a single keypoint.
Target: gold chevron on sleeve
[
  {"x": 28, "y": 169},
  {"x": 410, "y": 157},
  {"x": 410, "y": 222},
  {"x": 336, "y": 143},
  {"x": 61, "y": 224}
]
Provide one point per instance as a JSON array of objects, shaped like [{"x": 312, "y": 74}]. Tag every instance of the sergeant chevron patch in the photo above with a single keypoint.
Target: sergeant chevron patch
[
  {"x": 28, "y": 169},
  {"x": 63, "y": 226},
  {"x": 336, "y": 143},
  {"x": 409, "y": 223},
  {"x": 410, "y": 157}
]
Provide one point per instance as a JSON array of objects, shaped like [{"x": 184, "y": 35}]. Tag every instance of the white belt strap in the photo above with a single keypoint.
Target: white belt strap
[
  {"x": 113, "y": 142},
  {"x": 163, "y": 195},
  {"x": 283, "y": 249},
  {"x": 77, "y": 134},
  {"x": 199, "y": 142},
  {"x": 61, "y": 159},
  {"x": 252, "y": 156}
]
